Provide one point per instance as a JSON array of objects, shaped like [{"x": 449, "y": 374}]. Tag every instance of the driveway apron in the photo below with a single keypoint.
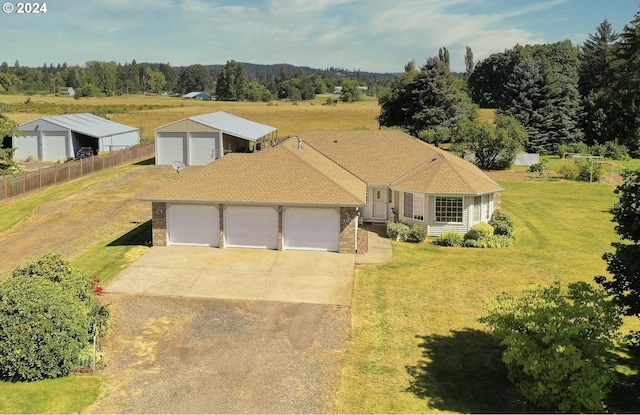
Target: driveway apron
[{"x": 240, "y": 274}]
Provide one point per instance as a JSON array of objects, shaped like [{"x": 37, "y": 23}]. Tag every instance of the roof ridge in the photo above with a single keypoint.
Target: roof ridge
[
  {"x": 315, "y": 167},
  {"x": 334, "y": 161}
]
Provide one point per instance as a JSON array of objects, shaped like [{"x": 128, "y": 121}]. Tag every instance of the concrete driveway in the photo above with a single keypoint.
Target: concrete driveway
[{"x": 241, "y": 274}]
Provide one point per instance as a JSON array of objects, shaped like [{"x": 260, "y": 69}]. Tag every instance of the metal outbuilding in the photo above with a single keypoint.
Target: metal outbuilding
[
  {"x": 200, "y": 139},
  {"x": 197, "y": 95},
  {"x": 60, "y": 136}
]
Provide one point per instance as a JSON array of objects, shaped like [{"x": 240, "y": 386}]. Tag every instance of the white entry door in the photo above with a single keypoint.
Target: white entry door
[{"x": 379, "y": 202}]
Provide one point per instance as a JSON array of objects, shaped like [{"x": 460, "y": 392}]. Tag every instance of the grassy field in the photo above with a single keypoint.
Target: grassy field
[
  {"x": 416, "y": 345},
  {"x": 151, "y": 112}
]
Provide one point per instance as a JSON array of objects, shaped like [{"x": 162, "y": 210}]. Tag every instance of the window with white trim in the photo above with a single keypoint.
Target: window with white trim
[
  {"x": 487, "y": 199},
  {"x": 477, "y": 208},
  {"x": 449, "y": 209},
  {"x": 413, "y": 206}
]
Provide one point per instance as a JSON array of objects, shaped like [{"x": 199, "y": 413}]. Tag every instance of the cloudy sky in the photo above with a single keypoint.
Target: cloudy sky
[{"x": 369, "y": 35}]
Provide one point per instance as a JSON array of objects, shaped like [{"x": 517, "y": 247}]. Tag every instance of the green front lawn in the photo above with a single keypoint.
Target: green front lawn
[
  {"x": 416, "y": 345},
  {"x": 66, "y": 395}
]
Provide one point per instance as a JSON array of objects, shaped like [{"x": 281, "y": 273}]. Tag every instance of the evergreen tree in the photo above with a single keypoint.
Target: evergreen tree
[
  {"x": 627, "y": 85},
  {"x": 468, "y": 61},
  {"x": 597, "y": 60},
  {"x": 598, "y": 65},
  {"x": 232, "y": 82},
  {"x": 423, "y": 101}
]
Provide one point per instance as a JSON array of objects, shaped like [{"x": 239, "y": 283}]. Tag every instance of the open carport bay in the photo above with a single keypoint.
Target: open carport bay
[{"x": 242, "y": 274}]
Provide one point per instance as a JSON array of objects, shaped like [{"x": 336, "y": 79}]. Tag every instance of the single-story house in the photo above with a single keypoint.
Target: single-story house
[
  {"x": 60, "y": 136},
  {"x": 197, "y": 95},
  {"x": 200, "y": 139},
  {"x": 312, "y": 191}
]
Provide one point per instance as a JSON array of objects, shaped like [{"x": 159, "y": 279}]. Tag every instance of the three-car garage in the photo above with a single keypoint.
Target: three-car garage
[{"x": 301, "y": 228}]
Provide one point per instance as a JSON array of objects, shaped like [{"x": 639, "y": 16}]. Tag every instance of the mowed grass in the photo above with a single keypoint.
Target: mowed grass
[
  {"x": 416, "y": 344},
  {"x": 58, "y": 396}
]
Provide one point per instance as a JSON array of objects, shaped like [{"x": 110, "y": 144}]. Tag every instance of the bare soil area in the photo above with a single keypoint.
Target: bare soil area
[
  {"x": 71, "y": 225},
  {"x": 187, "y": 355}
]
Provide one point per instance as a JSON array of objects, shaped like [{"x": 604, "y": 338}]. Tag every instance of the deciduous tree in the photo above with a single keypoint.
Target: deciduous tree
[
  {"x": 556, "y": 344},
  {"x": 624, "y": 262},
  {"x": 494, "y": 145}
]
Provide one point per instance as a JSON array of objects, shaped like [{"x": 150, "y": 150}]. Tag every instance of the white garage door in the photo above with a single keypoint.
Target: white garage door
[
  {"x": 26, "y": 146},
  {"x": 193, "y": 225},
  {"x": 54, "y": 145},
  {"x": 202, "y": 148},
  {"x": 170, "y": 147},
  {"x": 251, "y": 227},
  {"x": 316, "y": 229}
]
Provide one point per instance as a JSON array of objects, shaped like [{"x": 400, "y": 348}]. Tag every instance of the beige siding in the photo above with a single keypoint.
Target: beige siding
[{"x": 186, "y": 125}]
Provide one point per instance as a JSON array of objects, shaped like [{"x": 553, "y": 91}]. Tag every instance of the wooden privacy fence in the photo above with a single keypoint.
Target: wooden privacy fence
[{"x": 64, "y": 172}]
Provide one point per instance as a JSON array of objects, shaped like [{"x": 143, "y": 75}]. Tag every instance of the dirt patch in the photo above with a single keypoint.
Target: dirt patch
[
  {"x": 179, "y": 355},
  {"x": 71, "y": 225}
]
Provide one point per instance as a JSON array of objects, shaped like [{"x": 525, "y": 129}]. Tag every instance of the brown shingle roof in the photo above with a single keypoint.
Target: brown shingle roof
[
  {"x": 331, "y": 168},
  {"x": 278, "y": 175},
  {"x": 395, "y": 158},
  {"x": 377, "y": 157}
]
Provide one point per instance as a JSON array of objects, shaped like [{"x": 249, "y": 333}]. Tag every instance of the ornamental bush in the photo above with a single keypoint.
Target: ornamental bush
[
  {"x": 480, "y": 230},
  {"x": 43, "y": 328},
  {"x": 502, "y": 224},
  {"x": 496, "y": 241},
  {"x": 398, "y": 231},
  {"x": 418, "y": 234},
  {"x": 557, "y": 344},
  {"x": 56, "y": 269},
  {"x": 449, "y": 238}
]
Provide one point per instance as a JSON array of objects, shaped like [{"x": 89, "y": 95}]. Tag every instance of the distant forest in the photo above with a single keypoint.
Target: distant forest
[{"x": 98, "y": 78}]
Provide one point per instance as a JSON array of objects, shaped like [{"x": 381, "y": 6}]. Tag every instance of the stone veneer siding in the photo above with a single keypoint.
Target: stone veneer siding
[
  {"x": 159, "y": 223},
  {"x": 348, "y": 226}
]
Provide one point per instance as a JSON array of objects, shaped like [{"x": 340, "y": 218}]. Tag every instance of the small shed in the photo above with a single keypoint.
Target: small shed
[
  {"x": 200, "y": 139},
  {"x": 66, "y": 90},
  {"x": 197, "y": 95},
  {"x": 60, "y": 136}
]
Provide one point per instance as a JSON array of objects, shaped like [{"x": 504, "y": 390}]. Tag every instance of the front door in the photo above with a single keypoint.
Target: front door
[{"x": 379, "y": 202}]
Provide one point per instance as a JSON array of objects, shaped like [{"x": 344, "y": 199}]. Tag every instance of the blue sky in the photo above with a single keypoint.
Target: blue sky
[{"x": 369, "y": 35}]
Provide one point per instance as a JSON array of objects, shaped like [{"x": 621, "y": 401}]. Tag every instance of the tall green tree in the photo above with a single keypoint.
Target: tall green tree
[
  {"x": 194, "y": 78},
  {"x": 424, "y": 101},
  {"x": 627, "y": 85},
  {"x": 538, "y": 85},
  {"x": 232, "y": 82},
  {"x": 469, "y": 64},
  {"x": 350, "y": 91}
]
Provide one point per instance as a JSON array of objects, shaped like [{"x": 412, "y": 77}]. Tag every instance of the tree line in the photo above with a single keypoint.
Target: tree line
[
  {"x": 231, "y": 81},
  {"x": 559, "y": 93}
]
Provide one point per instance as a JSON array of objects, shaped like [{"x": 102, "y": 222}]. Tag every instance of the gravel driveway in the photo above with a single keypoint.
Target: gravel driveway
[{"x": 186, "y": 355}]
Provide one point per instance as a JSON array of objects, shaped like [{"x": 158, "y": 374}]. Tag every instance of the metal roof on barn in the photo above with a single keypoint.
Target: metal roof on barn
[
  {"x": 87, "y": 124},
  {"x": 228, "y": 124}
]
